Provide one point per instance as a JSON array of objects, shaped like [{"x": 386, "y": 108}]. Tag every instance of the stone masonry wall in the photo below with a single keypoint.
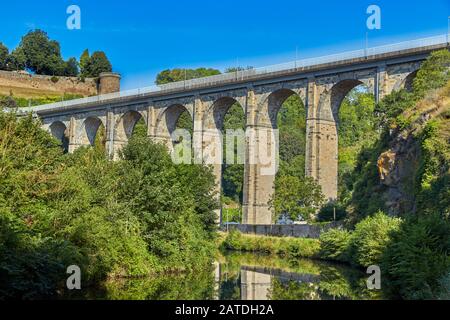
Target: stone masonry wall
[{"x": 25, "y": 84}]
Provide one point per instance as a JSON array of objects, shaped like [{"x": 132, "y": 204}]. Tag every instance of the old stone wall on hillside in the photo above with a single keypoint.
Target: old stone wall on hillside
[{"x": 26, "y": 85}]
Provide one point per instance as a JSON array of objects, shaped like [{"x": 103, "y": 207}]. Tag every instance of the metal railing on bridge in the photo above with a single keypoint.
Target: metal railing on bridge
[{"x": 242, "y": 75}]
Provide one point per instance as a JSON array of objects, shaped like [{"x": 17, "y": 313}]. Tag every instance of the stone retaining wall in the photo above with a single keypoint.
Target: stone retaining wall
[{"x": 19, "y": 83}]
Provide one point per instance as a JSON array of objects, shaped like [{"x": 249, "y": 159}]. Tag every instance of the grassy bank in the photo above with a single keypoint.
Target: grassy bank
[{"x": 286, "y": 247}]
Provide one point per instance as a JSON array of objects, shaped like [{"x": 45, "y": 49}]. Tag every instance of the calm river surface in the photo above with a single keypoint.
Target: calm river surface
[{"x": 246, "y": 276}]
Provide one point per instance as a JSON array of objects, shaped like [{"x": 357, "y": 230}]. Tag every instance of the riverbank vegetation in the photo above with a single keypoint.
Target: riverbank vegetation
[{"x": 133, "y": 217}]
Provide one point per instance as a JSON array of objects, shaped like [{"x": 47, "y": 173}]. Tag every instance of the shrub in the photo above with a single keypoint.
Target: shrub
[
  {"x": 232, "y": 241},
  {"x": 417, "y": 262},
  {"x": 302, "y": 248},
  {"x": 54, "y": 79},
  {"x": 370, "y": 237},
  {"x": 335, "y": 245}
]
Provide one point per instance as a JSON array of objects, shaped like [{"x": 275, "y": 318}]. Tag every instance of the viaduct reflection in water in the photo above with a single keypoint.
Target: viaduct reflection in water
[
  {"x": 241, "y": 276},
  {"x": 257, "y": 282}
]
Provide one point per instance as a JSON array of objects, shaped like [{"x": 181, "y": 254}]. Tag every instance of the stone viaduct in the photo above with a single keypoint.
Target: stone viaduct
[{"x": 321, "y": 85}]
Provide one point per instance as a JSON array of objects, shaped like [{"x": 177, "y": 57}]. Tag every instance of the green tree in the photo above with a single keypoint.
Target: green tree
[
  {"x": 433, "y": 73},
  {"x": 97, "y": 64},
  {"x": 296, "y": 197},
  {"x": 43, "y": 56},
  {"x": 168, "y": 76},
  {"x": 71, "y": 68},
  {"x": 4, "y": 53},
  {"x": 84, "y": 62},
  {"x": 16, "y": 60}
]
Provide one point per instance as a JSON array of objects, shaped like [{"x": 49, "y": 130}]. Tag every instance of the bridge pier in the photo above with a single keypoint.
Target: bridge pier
[{"x": 259, "y": 175}]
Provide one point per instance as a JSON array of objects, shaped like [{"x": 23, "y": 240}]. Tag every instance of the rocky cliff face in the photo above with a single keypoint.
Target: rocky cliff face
[
  {"x": 396, "y": 168},
  {"x": 399, "y": 164}
]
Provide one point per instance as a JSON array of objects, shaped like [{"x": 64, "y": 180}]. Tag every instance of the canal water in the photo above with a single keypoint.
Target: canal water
[{"x": 244, "y": 276}]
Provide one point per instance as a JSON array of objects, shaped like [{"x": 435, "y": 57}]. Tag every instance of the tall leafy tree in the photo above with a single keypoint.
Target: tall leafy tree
[
  {"x": 71, "y": 68},
  {"x": 84, "y": 62},
  {"x": 4, "y": 53},
  {"x": 43, "y": 56},
  {"x": 297, "y": 197},
  {"x": 97, "y": 64},
  {"x": 16, "y": 60}
]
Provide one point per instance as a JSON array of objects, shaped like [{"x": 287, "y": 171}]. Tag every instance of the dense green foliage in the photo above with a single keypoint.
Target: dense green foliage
[
  {"x": 291, "y": 123},
  {"x": 356, "y": 130},
  {"x": 297, "y": 198},
  {"x": 136, "y": 216},
  {"x": 4, "y": 53},
  {"x": 335, "y": 244},
  {"x": 332, "y": 211},
  {"x": 417, "y": 259},
  {"x": 92, "y": 66},
  {"x": 40, "y": 55},
  {"x": 174, "y": 75},
  {"x": 433, "y": 73},
  {"x": 433, "y": 176},
  {"x": 370, "y": 238},
  {"x": 365, "y": 245}
]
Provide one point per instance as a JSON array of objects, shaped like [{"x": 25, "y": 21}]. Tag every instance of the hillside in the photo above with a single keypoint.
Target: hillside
[{"x": 418, "y": 154}]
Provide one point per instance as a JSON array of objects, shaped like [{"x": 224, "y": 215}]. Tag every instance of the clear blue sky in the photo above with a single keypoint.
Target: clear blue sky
[{"x": 142, "y": 38}]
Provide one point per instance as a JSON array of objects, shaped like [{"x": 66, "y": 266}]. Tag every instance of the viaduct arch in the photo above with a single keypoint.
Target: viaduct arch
[{"x": 321, "y": 88}]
